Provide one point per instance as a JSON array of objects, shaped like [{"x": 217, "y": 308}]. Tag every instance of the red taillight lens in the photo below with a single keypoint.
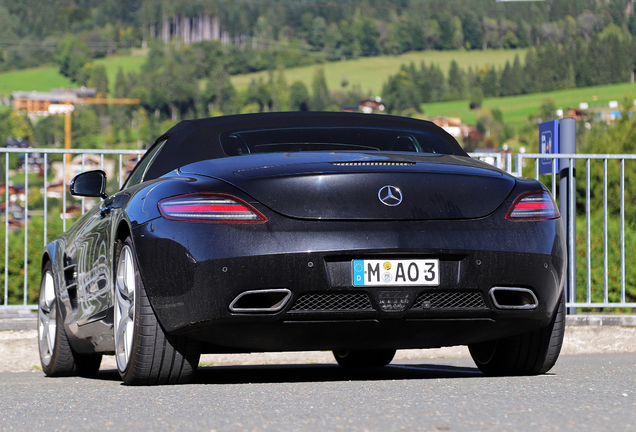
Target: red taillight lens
[
  {"x": 533, "y": 206},
  {"x": 209, "y": 208}
]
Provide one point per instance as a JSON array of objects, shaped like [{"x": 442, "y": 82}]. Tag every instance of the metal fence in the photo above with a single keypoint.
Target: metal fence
[
  {"x": 611, "y": 289},
  {"x": 21, "y": 169}
]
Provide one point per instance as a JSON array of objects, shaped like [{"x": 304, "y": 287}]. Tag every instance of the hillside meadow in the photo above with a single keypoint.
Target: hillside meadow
[
  {"x": 39, "y": 79},
  {"x": 516, "y": 109},
  {"x": 48, "y": 77},
  {"x": 370, "y": 73},
  {"x": 128, "y": 63}
]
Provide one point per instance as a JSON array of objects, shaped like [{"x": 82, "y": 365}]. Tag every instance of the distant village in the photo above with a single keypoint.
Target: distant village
[{"x": 37, "y": 105}]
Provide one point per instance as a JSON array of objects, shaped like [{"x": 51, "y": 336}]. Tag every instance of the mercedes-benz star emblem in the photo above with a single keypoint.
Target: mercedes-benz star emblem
[{"x": 390, "y": 195}]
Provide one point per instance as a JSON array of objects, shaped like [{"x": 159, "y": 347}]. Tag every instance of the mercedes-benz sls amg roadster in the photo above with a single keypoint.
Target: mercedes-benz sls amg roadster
[{"x": 359, "y": 234}]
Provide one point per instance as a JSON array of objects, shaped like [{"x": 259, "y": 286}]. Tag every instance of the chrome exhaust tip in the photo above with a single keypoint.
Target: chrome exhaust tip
[
  {"x": 268, "y": 300},
  {"x": 513, "y": 298}
]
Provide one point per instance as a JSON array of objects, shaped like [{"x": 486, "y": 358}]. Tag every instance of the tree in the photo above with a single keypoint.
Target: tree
[
  {"x": 456, "y": 81},
  {"x": 333, "y": 40},
  {"x": 299, "y": 96},
  {"x": 280, "y": 91},
  {"x": 473, "y": 33},
  {"x": 490, "y": 32},
  {"x": 432, "y": 34},
  {"x": 85, "y": 128},
  {"x": 517, "y": 77},
  {"x": 367, "y": 35},
  {"x": 20, "y": 126},
  {"x": 506, "y": 82},
  {"x": 121, "y": 84},
  {"x": 547, "y": 110},
  {"x": 476, "y": 98},
  {"x": 72, "y": 55},
  {"x": 318, "y": 35},
  {"x": 448, "y": 28},
  {"x": 424, "y": 84},
  {"x": 616, "y": 61},
  {"x": 219, "y": 95},
  {"x": 49, "y": 131},
  {"x": 259, "y": 93},
  {"x": 435, "y": 77},
  {"x": 320, "y": 99},
  {"x": 350, "y": 44},
  {"x": 400, "y": 92},
  {"x": 491, "y": 83},
  {"x": 99, "y": 80}
]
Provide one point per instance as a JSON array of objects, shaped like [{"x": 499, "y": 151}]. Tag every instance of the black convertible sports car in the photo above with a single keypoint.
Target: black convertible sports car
[{"x": 355, "y": 233}]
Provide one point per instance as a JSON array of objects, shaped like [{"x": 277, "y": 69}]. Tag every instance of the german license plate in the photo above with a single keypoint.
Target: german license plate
[{"x": 395, "y": 272}]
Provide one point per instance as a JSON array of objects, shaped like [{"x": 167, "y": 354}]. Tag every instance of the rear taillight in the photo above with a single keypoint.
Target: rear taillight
[
  {"x": 533, "y": 206},
  {"x": 209, "y": 208}
]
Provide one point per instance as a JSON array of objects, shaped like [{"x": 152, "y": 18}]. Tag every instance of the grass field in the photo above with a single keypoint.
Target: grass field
[
  {"x": 370, "y": 73},
  {"x": 516, "y": 109},
  {"x": 47, "y": 77},
  {"x": 39, "y": 79},
  {"x": 367, "y": 73},
  {"x": 128, "y": 63}
]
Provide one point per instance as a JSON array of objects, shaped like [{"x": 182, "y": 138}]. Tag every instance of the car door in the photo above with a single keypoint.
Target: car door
[{"x": 93, "y": 273}]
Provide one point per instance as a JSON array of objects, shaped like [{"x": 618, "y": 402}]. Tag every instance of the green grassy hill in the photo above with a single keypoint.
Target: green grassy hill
[
  {"x": 47, "y": 77},
  {"x": 129, "y": 63},
  {"x": 370, "y": 73},
  {"x": 39, "y": 79},
  {"x": 516, "y": 109}
]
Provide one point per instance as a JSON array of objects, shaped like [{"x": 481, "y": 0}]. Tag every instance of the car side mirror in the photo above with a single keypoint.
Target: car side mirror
[{"x": 89, "y": 184}]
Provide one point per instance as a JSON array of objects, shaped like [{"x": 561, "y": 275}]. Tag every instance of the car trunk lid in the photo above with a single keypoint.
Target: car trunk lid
[{"x": 364, "y": 187}]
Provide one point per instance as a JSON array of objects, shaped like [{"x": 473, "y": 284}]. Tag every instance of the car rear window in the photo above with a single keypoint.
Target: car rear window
[{"x": 326, "y": 138}]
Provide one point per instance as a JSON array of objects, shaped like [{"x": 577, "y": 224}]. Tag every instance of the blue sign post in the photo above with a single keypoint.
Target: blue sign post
[
  {"x": 560, "y": 137},
  {"x": 548, "y": 144}
]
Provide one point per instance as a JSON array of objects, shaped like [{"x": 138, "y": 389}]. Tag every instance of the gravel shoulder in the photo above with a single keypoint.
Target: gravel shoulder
[{"x": 19, "y": 351}]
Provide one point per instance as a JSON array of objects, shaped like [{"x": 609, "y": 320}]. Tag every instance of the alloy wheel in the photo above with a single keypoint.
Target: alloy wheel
[
  {"x": 124, "y": 324},
  {"x": 47, "y": 318}
]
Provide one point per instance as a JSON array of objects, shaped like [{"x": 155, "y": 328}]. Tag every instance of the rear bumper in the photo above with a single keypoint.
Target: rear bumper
[{"x": 194, "y": 271}]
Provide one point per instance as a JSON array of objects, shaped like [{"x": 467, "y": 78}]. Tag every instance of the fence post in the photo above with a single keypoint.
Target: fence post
[{"x": 567, "y": 203}]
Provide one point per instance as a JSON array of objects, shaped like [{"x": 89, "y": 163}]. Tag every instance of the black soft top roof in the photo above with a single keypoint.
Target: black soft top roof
[{"x": 195, "y": 140}]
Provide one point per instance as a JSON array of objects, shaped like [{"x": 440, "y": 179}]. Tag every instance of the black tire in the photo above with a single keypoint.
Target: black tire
[
  {"x": 363, "y": 358},
  {"x": 145, "y": 353},
  {"x": 531, "y": 353},
  {"x": 56, "y": 355}
]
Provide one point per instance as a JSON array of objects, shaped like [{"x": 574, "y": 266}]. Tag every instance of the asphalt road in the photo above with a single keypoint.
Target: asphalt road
[{"x": 583, "y": 392}]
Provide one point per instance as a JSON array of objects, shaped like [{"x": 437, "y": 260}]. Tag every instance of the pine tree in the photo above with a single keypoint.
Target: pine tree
[
  {"x": 517, "y": 77},
  {"x": 491, "y": 86},
  {"x": 320, "y": 99},
  {"x": 438, "y": 86},
  {"x": 505, "y": 83},
  {"x": 456, "y": 82},
  {"x": 423, "y": 84}
]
